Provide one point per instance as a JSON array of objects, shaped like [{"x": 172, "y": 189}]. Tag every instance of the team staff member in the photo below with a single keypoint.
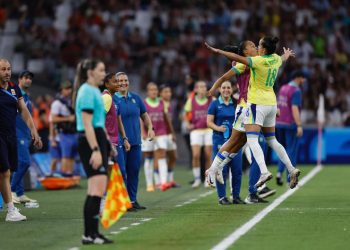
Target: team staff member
[
  {"x": 11, "y": 102},
  {"x": 132, "y": 109},
  {"x": 63, "y": 117},
  {"x": 221, "y": 114},
  {"x": 289, "y": 127},
  {"x": 23, "y": 142},
  {"x": 92, "y": 144},
  {"x": 114, "y": 124}
]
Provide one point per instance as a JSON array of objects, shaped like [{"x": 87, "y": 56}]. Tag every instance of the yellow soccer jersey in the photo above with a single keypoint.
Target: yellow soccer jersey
[{"x": 263, "y": 73}]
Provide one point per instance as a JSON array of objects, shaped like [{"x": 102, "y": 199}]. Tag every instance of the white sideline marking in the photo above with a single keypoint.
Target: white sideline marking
[
  {"x": 242, "y": 230},
  {"x": 115, "y": 232},
  {"x": 124, "y": 228},
  {"x": 135, "y": 224},
  {"x": 146, "y": 219}
]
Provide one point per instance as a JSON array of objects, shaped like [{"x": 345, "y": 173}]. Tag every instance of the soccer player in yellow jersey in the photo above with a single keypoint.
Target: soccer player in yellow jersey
[{"x": 262, "y": 105}]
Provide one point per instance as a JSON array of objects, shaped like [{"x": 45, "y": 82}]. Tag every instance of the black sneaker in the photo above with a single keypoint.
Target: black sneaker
[
  {"x": 254, "y": 199},
  {"x": 136, "y": 205},
  {"x": 266, "y": 192},
  {"x": 224, "y": 201},
  {"x": 279, "y": 181},
  {"x": 97, "y": 239},
  {"x": 132, "y": 209},
  {"x": 238, "y": 200}
]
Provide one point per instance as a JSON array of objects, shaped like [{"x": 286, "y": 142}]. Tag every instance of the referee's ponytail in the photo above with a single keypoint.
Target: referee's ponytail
[{"x": 81, "y": 75}]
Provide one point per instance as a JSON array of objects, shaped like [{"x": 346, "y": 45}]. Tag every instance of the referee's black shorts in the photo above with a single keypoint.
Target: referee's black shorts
[
  {"x": 8, "y": 153},
  {"x": 85, "y": 153}
]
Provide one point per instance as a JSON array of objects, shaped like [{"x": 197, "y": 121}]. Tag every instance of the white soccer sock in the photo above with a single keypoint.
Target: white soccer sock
[
  {"x": 220, "y": 160},
  {"x": 156, "y": 177},
  {"x": 163, "y": 170},
  {"x": 10, "y": 206},
  {"x": 248, "y": 153},
  {"x": 148, "y": 167},
  {"x": 196, "y": 173},
  {"x": 170, "y": 175},
  {"x": 253, "y": 142},
  {"x": 227, "y": 160},
  {"x": 280, "y": 151}
]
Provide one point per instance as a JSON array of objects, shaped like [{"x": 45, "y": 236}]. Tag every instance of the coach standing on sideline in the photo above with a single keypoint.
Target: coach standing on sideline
[
  {"x": 289, "y": 127},
  {"x": 23, "y": 142},
  {"x": 132, "y": 109},
  {"x": 11, "y": 101}
]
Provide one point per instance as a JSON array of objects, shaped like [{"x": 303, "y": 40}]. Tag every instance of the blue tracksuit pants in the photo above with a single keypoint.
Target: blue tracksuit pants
[
  {"x": 132, "y": 162},
  {"x": 23, "y": 165}
]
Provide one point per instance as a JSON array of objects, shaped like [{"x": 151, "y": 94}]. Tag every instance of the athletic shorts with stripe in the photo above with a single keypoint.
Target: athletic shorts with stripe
[
  {"x": 263, "y": 115},
  {"x": 238, "y": 123}
]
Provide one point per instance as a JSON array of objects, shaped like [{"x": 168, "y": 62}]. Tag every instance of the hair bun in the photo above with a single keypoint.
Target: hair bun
[{"x": 275, "y": 39}]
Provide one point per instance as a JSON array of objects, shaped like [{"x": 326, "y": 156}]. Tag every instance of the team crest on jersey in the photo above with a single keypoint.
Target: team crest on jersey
[
  {"x": 13, "y": 92},
  {"x": 133, "y": 100}
]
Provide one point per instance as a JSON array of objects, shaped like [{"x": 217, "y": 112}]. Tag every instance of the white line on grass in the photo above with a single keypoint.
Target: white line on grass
[{"x": 232, "y": 238}]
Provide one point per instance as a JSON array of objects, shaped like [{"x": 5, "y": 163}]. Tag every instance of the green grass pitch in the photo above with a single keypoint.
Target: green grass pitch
[{"x": 317, "y": 216}]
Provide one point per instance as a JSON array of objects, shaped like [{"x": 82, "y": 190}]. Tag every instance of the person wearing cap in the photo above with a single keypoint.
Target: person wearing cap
[
  {"x": 63, "y": 117},
  {"x": 289, "y": 128},
  {"x": 11, "y": 104},
  {"x": 25, "y": 79}
]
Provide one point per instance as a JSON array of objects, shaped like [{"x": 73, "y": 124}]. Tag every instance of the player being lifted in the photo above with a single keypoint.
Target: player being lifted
[{"x": 261, "y": 110}]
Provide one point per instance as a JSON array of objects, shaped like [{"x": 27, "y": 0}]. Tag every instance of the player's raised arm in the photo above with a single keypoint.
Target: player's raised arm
[
  {"x": 287, "y": 52},
  {"x": 232, "y": 56}
]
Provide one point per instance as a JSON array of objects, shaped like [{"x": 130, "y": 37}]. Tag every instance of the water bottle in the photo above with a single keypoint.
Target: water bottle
[{"x": 226, "y": 123}]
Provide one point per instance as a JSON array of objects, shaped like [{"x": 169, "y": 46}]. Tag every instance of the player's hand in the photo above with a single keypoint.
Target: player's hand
[
  {"x": 222, "y": 128},
  {"x": 299, "y": 131},
  {"x": 212, "y": 49},
  {"x": 38, "y": 144},
  {"x": 127, "y": 145},
  {"x": 96, "y": 159},
  {"x": 71, "y": 118},
  {"x": 288, "y": 52},
  {"x": 150, "y": 134},
  {"x": 278, "y": 113},
  {"x": 189, "y": 126},
  {"x": 173, "y": 137},
  {"x": 113, "y": 152}
]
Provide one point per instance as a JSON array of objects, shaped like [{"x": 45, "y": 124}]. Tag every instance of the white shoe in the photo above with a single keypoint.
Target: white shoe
[
  {"x": 210, "y": 178},
  {"x": 15, "y": 215},
  {"x": 196, "y": 183},
  {"x": 15, "y": 199},
  {"x": 263, "y": 179},
  {"x": 24, "y": 199},
  {"x": 220, "y": 177},
  {"x": 294, "y": 178}
]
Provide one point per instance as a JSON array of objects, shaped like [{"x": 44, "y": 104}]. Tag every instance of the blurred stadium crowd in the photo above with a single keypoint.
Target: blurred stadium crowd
[{"x": 162, "y": 41}]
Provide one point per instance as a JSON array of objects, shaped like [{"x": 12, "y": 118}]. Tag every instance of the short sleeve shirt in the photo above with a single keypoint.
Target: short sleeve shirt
[
  {"x": 89, "y": 99},
  {"x": 8, "y": 108},
  {"x": 263, "y": 74}
]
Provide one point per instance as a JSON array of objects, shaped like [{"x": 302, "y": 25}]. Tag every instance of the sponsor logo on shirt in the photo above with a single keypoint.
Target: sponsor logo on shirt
[{"x": 13, "y": 92}]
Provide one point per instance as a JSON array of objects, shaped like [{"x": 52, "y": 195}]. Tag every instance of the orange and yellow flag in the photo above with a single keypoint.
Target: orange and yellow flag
[{"x": 117, "y": 199}]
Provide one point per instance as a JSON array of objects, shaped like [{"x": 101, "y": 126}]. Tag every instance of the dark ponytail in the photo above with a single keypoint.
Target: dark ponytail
[
  {"x": 270, "y": 44},
  {"x": 81, "y": 76},
  {"x": 238, "y": 49}
]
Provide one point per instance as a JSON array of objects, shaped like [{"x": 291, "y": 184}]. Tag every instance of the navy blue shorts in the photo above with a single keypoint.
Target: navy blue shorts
[
  {"x": 8, "y": 153},
  {"x": 68, "y": 145}
]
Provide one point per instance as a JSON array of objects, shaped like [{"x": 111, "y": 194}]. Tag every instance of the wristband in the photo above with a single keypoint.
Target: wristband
[{"x": 125, "y": 138}]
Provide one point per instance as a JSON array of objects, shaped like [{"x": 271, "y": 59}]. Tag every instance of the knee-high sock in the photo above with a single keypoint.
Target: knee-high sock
[
  {"x": 163, "y": 170},
  {"x": 279, "y": 149},
  {"x": 148, "y": 168},
  {"x": 219, "y": 161},
  {"x": 253, "y": 142},
  {"x": 91, "y": 214}
]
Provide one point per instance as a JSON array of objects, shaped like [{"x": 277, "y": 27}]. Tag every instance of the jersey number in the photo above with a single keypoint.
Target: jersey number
[{"x": 271, "y": 77}]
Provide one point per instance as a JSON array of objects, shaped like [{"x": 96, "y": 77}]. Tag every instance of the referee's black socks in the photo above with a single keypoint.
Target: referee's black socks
[{"x": 91, "y": 215}]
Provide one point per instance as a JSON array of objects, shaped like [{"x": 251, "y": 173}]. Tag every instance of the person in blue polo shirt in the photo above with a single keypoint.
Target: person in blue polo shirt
[
  {"x": 23, "y": 142},
  {"x": 221, "y": 114},
  {"x": 11, "y": 102},
  {"x": 132, "y": 108}
]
